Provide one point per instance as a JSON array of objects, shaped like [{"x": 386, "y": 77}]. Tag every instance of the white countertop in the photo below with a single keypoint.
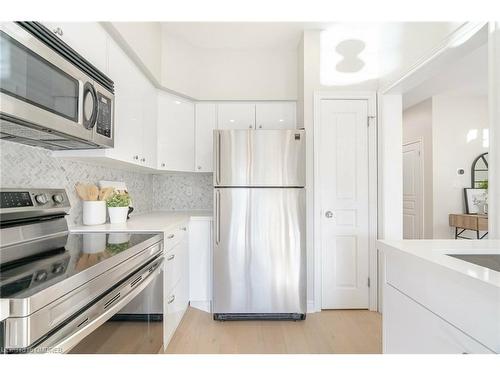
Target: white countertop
[
  {"x": 435, "y": 251},
  {"x": 156, "y": 221}
]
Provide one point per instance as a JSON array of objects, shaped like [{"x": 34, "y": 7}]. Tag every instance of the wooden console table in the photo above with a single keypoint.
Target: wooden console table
[{"x": 463, "y": 222}]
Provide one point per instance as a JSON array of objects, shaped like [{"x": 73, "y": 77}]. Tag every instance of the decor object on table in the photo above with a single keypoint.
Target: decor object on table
[
  {"x": 94, "y": 203},
  {"x": 479, "y": 172},
  {"x": 118, "y": 205},
  {"x": 475, "y": 200}
]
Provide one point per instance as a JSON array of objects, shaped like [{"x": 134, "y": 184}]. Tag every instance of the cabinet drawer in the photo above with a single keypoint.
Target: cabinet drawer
[
  {"x": 176, "y": 303},
  {"x": 174, "y": 237},
  {"x": 175, "y": 262}
]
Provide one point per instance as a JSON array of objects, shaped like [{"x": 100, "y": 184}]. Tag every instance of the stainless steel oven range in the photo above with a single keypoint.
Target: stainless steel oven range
[{"x": 75, "y": 292}]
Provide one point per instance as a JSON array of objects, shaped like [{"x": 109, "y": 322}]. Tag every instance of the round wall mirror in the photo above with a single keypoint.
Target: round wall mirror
[{"x": 479, "y": 172}]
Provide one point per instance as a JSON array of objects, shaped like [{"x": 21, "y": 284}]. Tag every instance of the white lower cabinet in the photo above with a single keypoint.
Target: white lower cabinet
[
  {"x": 410, "y": 328},
  {"x": 176, "y": 281},
  {"x": 200, "y": 263}
]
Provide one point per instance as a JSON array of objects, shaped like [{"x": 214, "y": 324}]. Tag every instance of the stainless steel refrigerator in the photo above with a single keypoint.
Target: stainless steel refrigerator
[{"x": 259, "y": 256}]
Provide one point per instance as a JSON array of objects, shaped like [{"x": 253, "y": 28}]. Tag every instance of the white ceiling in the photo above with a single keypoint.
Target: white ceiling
[
  {"x": 467, "y": 76},
  {"x": 241, "y": 35}
]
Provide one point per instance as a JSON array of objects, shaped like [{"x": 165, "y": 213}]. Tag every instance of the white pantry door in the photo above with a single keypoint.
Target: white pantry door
[
  {"x": 412, "y": 191},
  {"x": 343, "y": 178}
]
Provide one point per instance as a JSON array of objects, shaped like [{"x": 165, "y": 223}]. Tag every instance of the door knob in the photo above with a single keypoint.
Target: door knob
[{"x": 329, "y": 214}]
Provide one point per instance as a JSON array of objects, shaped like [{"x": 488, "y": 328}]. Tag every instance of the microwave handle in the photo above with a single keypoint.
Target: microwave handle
[{"x": 88, "y": 87}]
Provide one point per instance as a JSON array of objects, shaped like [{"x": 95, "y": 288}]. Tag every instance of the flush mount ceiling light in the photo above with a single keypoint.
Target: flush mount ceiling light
[{"x": 349, "y": 54}]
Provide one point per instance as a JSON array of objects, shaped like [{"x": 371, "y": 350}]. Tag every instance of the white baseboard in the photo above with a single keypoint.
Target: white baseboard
[
  {"x": 201, "y": 305},
  {"x": 310, "y": 307}
]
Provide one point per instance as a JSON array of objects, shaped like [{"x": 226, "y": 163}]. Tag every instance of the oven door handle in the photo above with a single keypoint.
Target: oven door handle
[{"x": 70, "y": 341}]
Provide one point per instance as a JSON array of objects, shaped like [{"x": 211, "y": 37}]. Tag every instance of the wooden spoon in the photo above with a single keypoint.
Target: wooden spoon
[
  {"x": 105, "y": 193},
  {"x": 81, "y": 190},
  {"x": 92, "y": 192}
]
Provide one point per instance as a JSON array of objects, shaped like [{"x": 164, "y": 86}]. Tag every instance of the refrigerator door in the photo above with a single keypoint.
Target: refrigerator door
[
  {"x": 259, "y": 251},
  {"x": 268, "y": 158}
]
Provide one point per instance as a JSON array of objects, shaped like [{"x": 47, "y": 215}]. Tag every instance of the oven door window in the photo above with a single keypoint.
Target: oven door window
[
  {"x": 28, "y": 77},
  {"x": 135, "y": 329}
]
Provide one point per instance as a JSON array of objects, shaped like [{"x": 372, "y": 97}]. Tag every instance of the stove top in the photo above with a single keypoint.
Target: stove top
[{"x": 66, "y": 256}]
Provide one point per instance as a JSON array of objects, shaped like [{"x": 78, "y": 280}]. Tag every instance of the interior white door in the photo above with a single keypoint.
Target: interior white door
[
  {"x": 342, "y": 162},
  {"x": 412, "y": 191}
]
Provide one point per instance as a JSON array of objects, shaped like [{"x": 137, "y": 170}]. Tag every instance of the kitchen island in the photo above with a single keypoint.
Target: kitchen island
[{"x": 434, "y": 302}]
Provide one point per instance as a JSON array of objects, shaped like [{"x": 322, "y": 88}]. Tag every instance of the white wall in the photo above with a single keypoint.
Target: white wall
[
  {"x": 417, "y": 125},
  {"x": 458, "y": 124},
  {"x": 228, "y": 74}
]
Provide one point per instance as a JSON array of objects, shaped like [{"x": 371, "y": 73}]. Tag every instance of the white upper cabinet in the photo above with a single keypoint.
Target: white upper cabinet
[
  {"x": 236, "y": 116},
  {"x": 128, "y": 106},
  {"x": 175, "y": 133},
  {"x": 149, "y": 125},
  {"x": 206, "y": 122},
  {"x": 275, "y": 115},
  {"x": 89, "y": 39}
]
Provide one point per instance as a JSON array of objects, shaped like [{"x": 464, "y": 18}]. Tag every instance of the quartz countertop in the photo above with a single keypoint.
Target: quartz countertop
[
  {"x": 436, "y": 251},
  {"x": 156, "y": 221}
]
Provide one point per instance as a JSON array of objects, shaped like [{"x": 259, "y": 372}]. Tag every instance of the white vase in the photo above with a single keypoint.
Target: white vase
[
  {"x": 94, "y": 212},
  {"x": 117, "y": 214}
]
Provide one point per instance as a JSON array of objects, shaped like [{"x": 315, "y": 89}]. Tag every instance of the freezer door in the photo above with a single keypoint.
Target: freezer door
[
  {"x": 259, "y": 158},
  {"x": 259, "y": 261}
]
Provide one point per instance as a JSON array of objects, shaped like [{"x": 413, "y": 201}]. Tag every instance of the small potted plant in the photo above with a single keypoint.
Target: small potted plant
[{"x": 118, "y": 205}]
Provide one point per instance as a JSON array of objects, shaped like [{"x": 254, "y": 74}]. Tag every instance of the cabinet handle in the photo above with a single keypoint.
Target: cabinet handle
[
  {"x": 143, "y": 160},
  {"x": 171, "y": 257},
  {"x": 170, "y": 236},
  {"x": 184, "y": 229},
  {"x": 136, "y": 157},
  {"x": 199, "y": 167},
  {"x": 260, "y": 126},
  {"x": 162, "y": 164},
  {"x": 250, "y": 126},
  {"x": 171, "y": 299}
]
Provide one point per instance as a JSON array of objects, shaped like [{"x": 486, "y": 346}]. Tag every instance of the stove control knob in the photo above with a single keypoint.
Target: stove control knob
[
  {"x": 58, "y": 268},
  {"x": 41, "y": 276},
  {"x": 41, "y": 198},
  {"x": 58, "y": 198}
]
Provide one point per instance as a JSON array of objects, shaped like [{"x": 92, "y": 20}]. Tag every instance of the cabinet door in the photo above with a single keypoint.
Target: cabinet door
[
  {"x": 409, "y": 328},
  {"x": 276, "y": 115},
  {"x": 149, "y": 134},
  {"x": 128, "y": 106},
  {"x": 200, "y": 263},
  {"x": 206, "y": 122},
  {"x": 89, "y": 39},
  {"x": 175, "y": 133},
  {"x": 236, "y": 116}
]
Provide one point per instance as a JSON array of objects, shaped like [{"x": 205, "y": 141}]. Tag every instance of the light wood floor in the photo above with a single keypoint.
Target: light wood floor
[{"x": 331, "y": 331}]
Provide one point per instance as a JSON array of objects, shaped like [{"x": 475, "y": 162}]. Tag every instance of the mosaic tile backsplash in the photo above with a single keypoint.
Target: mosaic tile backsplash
[
  {"x": 183, "y": 191},
  {"x": 25, "y": 166}
]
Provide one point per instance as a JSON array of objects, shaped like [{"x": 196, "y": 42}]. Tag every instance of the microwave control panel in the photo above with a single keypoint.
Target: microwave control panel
[{"x": 104, "y": 115}]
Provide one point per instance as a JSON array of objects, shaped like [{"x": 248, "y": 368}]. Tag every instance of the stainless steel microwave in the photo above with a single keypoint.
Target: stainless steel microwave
[{"x": 51, "y": 96}]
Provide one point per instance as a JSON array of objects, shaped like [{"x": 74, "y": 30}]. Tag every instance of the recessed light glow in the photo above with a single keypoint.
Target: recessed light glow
[
  {"x": 281, "y": 120},
  {"x": 231, "y": 120},
  {"x": 177, "y": 102}
]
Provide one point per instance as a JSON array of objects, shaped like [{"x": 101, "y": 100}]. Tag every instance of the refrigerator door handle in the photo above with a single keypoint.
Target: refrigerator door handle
[{"x": 217, "y": 217}]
